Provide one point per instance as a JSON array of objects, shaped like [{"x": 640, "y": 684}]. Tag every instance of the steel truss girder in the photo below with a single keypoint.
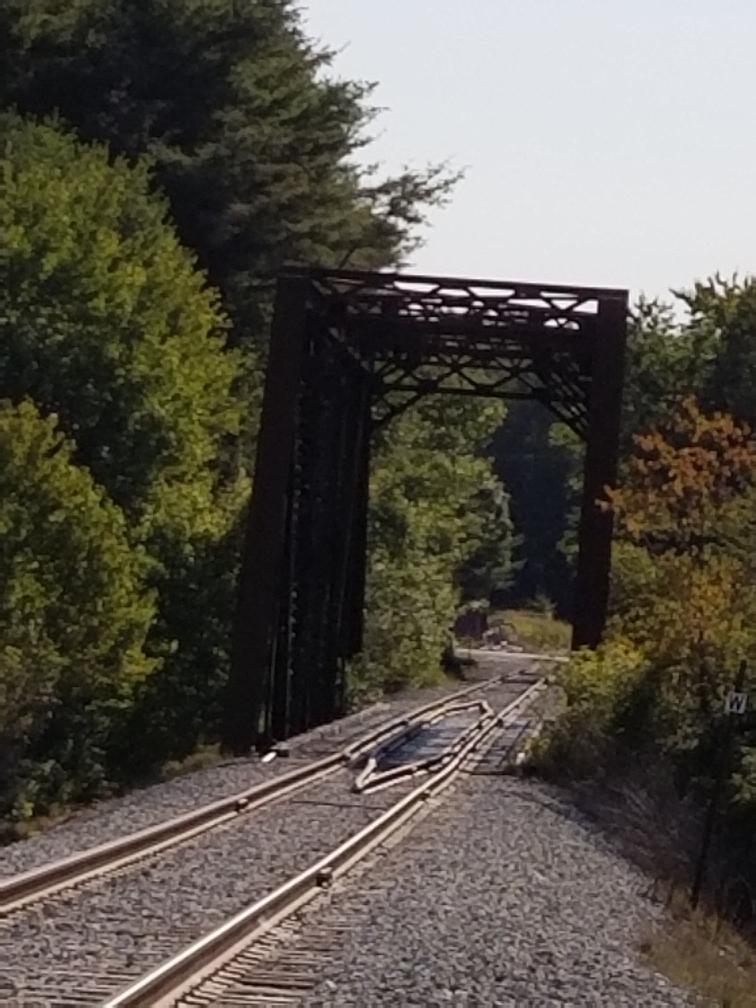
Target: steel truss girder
[{"x": 350, "y": 351}]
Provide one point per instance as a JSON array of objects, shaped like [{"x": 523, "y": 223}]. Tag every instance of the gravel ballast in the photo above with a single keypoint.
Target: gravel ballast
[
  {"x": 87, "y": 941},
  {"x": 93, "y": 938},
  {"x": 144, "y": 807},
  {"x": 502, "y": 896}
]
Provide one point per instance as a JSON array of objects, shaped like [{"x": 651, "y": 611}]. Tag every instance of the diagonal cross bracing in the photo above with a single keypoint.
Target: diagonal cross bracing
[{"x": 350, "y": 351}]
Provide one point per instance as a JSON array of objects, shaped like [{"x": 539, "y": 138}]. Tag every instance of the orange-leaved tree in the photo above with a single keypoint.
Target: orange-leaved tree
[{"x": 684, "y": 561}]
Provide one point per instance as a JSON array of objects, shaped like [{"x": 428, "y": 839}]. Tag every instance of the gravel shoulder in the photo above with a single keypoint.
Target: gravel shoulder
[{"x": 504, "y": 895}]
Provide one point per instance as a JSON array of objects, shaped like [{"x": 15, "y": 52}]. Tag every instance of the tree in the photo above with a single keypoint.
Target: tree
[
  {"x": 723, "y": 317},
  {"x": 434, "y": 501},
  {"x": 683, "y": 589},
  {"x": 255, "y": 145},
  {"x": 684, "y": 485},
  {"x": 707, "y": 352},
  {"x": 74, "y": 617},
  {"x": 106, "y": 323},
  {"x": 683, "y": 602},
  {"x": 645, "y": 717},
  {"x": 251, "y": 139},
  {"x": 668, "y": 357},
  {"x": 487, "y": 568},
  {"x": 537, "y": 468}
]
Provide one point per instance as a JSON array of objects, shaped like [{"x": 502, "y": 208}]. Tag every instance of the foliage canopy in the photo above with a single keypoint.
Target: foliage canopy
[
  {"x": 252, "y": 141},
  {"x": 74, "y": 617},
  {"x": 105, "y": 322},
  {"x": 439, "y": 522}
]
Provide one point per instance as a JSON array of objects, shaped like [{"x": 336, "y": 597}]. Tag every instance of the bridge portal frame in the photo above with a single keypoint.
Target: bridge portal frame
[{"x": 349, "y": 351}]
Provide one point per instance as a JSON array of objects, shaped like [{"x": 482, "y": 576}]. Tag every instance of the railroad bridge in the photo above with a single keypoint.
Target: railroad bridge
[{"x": 350, "y": 351}]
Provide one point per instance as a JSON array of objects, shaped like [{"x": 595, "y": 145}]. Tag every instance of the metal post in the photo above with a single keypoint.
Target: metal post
[
  {"x": 257, "y": 617},
  {"x": 328, "y": 523},
  {"x": 595, "y": 530},
  {"x": 724, "y": 762}
]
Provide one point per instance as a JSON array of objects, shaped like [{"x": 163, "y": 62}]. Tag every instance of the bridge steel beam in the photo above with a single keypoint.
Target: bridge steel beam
[
  {"x": 591, "y": 593},
  {"x": 248, "y": 706},
  {"x": 349, "y": 351}
]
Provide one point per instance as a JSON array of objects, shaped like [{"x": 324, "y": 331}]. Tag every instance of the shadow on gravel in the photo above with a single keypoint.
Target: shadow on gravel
[
  {"x": 641, "y": 817},
  {"x": 566, "y": 803}
]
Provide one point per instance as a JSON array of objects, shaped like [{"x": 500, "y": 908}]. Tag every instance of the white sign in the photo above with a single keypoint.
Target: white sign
[{"x": 736, "y": 703}]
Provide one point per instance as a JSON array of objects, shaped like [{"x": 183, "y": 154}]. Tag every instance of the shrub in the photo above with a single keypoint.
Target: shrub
[{"x": 604, "y": 692}]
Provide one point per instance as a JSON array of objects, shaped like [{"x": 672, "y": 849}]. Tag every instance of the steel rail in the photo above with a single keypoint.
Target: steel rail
[
  {"x": 371, "y": 778},
  {"x": 177, "y": 976},
  {"x": 19, "y": 890}
]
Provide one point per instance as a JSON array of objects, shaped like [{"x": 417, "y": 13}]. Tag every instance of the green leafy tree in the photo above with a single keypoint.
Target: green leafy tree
[
  {"x": 537, "y": 469},
  {"x": 684, "y": 514},
  {"x": 668, "y": 357},
  {"x": 106, "y": 322},
  {"x": 255, "y": 145},
  {"x": 434, "y": 503},
  {"x": 645, "y": 713},
  {"x": 487, "y": 568},
  {"x": 252, "y": 140},
  {"x": 683, "y": 598},
  {"x": 74, "y": 616},
  {"x": 723, "y": 319}
]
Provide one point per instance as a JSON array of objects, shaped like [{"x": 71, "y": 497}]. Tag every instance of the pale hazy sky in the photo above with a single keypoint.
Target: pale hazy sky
[{"x": 606, "y": 141}]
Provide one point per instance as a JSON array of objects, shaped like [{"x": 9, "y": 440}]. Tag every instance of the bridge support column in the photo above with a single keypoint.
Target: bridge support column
[
  {"x": 595, "y": 530},
  {"x": 247, "y": 710}
]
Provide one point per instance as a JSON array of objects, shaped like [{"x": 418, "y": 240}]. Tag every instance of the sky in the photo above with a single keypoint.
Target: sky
[{"x": 605, "y": 142}]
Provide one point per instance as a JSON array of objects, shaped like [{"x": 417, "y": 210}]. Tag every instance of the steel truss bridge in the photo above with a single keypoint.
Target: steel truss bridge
[{"x": 350, "y": 351}]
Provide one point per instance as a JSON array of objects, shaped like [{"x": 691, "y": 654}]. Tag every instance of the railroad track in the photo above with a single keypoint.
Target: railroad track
[
  {"x": 38, "y": 883},
  {"x": 76, "y": 916},
  {"x": 215, "y": 966}
]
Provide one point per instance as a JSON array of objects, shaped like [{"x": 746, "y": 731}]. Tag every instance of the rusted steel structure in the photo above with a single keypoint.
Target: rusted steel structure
[{"x": 349, "y": 351}]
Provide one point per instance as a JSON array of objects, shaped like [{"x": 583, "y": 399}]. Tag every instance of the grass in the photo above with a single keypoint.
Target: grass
[
  {"x": 14, "y": 830},
  {"x": 200, "y": 759},
  {"x": 534, "y": 631},
  {"x": 699, "y": 951}
]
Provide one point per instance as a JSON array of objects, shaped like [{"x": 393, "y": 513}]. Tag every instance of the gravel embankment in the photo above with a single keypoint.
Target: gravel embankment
[
  {"x": 109, "y": 819},
  {"x": 502, "y": 896}
]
